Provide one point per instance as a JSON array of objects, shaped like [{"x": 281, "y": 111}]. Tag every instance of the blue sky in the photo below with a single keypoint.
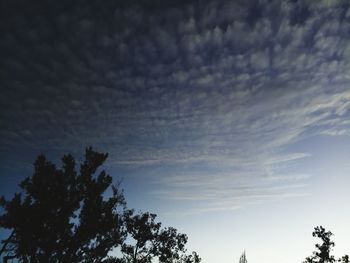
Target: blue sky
[{"x": 230, "y": 119}]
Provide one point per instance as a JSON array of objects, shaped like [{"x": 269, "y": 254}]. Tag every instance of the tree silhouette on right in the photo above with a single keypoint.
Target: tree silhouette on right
[
  {"x": 344, "y": 259},
  {"x": 324, "y": 249}
]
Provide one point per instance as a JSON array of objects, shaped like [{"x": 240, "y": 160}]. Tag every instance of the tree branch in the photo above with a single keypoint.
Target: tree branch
[
  {"x": 6, "y": 258},
  {"x": 6, "y": 242}
]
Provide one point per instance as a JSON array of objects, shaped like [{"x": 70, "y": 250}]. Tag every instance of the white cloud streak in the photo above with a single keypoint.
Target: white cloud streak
[{"x": 186, "y": 86}]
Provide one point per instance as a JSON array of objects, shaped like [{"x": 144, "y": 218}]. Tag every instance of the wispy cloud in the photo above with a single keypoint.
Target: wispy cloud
[{"x": 218, "y": 85}]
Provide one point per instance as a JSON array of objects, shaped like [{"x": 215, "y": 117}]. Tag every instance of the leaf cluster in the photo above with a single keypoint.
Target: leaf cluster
[
  {"x": 322, "y": 254},
  {"x": 77, "y": 215}
]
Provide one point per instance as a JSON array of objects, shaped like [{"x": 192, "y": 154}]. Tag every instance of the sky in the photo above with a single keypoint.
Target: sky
[{"x": 229, "y": 119}]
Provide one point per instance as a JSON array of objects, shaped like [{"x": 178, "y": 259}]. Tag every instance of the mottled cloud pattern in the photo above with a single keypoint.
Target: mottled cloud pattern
[{"x": 215, "y": 93}]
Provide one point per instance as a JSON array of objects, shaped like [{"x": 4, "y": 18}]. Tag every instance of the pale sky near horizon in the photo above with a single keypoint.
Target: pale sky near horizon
[{"x": 229, "y": 119}]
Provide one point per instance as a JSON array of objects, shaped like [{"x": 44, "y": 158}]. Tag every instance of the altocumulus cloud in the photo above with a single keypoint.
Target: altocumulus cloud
[{"x": 214, "y": 90}]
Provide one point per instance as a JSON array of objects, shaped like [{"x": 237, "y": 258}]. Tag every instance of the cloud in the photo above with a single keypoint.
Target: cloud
[{"x": 187, "y": 86}]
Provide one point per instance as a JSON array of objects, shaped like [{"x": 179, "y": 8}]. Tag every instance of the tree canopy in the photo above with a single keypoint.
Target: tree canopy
[
  {"x": 243, "y": 258},
  {"x": 65, "y": 215},
  {"x": 323, "y": 254}
]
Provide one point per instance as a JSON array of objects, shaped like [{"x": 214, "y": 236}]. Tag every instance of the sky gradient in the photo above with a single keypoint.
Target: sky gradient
[{"x": 230, "y": 119}]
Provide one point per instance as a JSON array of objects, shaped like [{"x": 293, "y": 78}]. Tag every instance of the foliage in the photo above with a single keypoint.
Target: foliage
[
  {"x": 344, "y": 259},
  {"x": 191, "y": 258},
  {"x": 61, "y": 216},
  {"x": 323, "y": 250},
  {"x": 65, "y": 216},
  {"x": 147, "y": 240},
  {"x": 243, "y": 258}
]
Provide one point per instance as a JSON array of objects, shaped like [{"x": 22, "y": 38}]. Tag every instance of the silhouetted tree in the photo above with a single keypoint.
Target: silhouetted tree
[
  {"x": 323, "y": 250},
  {"x": 147, "y": 240},
  {"x": 243, "y": 258},
  {"x": 344, "y": 259},
  {"x": 62, "y": 215},
  {"x": 191, "y": 258}
]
